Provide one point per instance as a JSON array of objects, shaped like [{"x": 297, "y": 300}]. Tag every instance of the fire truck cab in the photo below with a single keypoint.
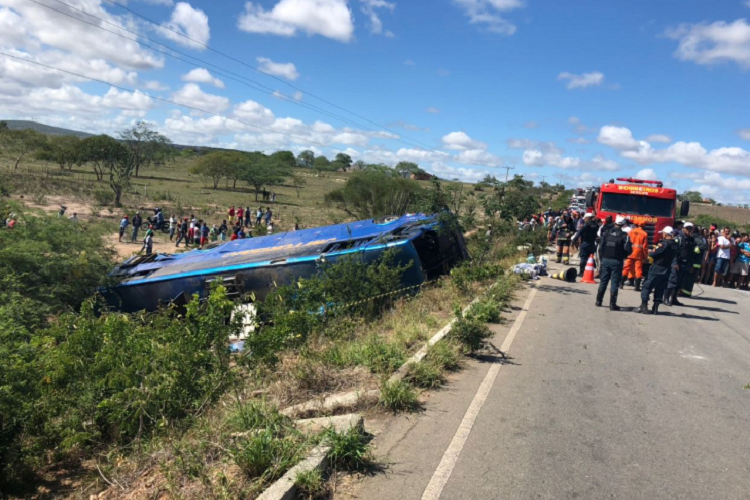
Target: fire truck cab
[{"x": 643, "y": 202}]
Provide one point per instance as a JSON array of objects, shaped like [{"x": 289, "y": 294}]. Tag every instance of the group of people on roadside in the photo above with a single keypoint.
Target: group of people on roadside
[
  {"x": 196, "y": 232},
  {"x": 684, "y": 255}
]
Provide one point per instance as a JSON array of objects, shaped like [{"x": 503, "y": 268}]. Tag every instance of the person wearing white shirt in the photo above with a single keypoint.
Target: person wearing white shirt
[{"x": 723, "y": 256}]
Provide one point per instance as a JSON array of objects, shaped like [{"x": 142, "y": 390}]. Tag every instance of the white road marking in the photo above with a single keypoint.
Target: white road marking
[{"x": 450, "y": 457}]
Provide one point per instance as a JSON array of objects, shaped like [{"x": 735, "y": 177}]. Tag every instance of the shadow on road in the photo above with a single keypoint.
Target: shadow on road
[
  {"x": 686, "y": 316},
  {"x": 709, "y": 299},
  {"x": 712, "y": 309},
  {"x": 565, "y": 290}
]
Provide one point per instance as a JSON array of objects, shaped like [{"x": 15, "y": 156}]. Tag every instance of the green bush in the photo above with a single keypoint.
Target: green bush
[
  {"x": 486, "y": 310},
  {"x": 425, "y": 375},
  {"x": 311, "y": 485},
  {"x": 342, "y": 289},
  {"x": 348, "y": 450},
  {"x": 88, "y": 380},
  {"x": 377, "y": 355},
  {"x": 103, "y": 197},
  {"x": 398, "y": 396},
  {"x": 264, "y": 455},
  {"x": 445, "y": 354},
  {"x": 469, "y": 332}
]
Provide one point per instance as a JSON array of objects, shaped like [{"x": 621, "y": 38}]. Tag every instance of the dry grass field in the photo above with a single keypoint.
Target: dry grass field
[{"x": 738, "y": 216}]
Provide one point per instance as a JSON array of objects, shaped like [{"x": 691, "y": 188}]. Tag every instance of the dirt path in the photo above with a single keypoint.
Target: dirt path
[{"x": 86, "y": 212}]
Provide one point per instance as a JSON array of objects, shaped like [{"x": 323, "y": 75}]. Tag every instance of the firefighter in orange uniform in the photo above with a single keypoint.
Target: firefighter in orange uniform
[{"x": 634, "y": 263}]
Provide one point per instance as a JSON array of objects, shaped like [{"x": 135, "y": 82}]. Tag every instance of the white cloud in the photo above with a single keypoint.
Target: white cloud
[
  {"x": 192, "y": 95},
  {"x": 479, "y": 157},
  {"x": 599, "y": 162},
  {"x": 369, "y": 9},
  {"x": 328, "y": 18},
  {"x": 717, "y": 186},
  {"x": 298, "y": 95},
  {"x": 730, "y": 160},
  {"x": 713, "y": 43},
  {"x": 286, "y": 70},
  {"x": 252, "y": 112},
  {"x": 167, "y": 3},
  {"x": 448, "y": 172},
  {"x": 659, "y": 138},
  {"x": 155, "y": 85},
  {"x": 593, "y": 79},
  {"x": 531, "y": 125},
  {"x": 191, "y": 22},
  {"x": 546, "y": 153},
  {"x": 620, "y": 138},
  {"x": 31, "y": 27},
  {"x": 202, "y": 75},
  {"x": 486, "y": 13},
  {"x": 647, "y": 174},
  {"x": 745, "y": 132},
  {"x": 461, "y": 141},
  {"x": 433, "y": 110},
  {"x": 577, "y": 140},
  {"x": 543, "y": 146}
]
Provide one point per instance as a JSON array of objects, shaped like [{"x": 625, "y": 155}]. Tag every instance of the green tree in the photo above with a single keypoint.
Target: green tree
[
  {"x": 692, "y": 196},
  {"x": 146, "y": 145},
  {"x": 214, "y": 166},
  {"x": 64, "y": 150},
  {"x": 407, "y": 168},
  {"x": 101, "y": 152},
  {"x": 259, "y": 170},
  {"x": 359, "y": 165},
  {"x": 298, "y": 182},
  {"x": 322, "y": 164},
  {"x": 344, "y": 160},
  {"x": 306, "y": 159},
  {"x": 371, "y": 194},
  {"x": 284, "y": 159},
  {"x": 21, "y": 143}
]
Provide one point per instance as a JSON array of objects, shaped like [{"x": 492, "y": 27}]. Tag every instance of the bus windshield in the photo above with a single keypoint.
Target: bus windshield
[{"x": 637, "y": 205}]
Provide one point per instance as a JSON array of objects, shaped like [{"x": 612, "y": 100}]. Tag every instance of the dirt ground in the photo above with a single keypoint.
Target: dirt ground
[{"x": 86, "y": 212}]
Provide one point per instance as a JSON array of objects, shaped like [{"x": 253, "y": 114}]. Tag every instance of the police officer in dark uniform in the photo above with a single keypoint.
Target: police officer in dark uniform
[
  {"x": 683, "y": 264},
  {"x": 658, "y": 275},
  {"x": 615, "y": 246},
  {"x": 588, "y": 235}
]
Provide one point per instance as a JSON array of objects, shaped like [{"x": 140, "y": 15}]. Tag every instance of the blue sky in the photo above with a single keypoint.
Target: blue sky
[{"x": 581, "y": 91}]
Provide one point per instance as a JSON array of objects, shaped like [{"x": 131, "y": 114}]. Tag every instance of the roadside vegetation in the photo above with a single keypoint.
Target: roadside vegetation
[{"x": 137, "y": 404}]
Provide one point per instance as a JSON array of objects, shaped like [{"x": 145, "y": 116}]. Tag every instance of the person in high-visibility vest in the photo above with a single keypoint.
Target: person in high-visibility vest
[{"x": 633, "y": 268}]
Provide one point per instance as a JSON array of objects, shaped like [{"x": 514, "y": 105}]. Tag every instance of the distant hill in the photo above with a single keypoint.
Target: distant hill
[{"x": 44, "y": 129}]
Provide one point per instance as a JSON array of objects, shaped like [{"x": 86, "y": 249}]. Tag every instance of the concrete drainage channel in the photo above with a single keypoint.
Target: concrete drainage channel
[{"x": 285, "y": 488}]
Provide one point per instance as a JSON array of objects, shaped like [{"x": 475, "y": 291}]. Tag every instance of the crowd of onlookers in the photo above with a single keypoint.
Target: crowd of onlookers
[
  {"x": 192, "y": 231},
  {"x": 725, "y": 253}
]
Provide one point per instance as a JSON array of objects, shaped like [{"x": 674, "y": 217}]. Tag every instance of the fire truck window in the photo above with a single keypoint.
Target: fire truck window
[{"x": 637, "y": 205}]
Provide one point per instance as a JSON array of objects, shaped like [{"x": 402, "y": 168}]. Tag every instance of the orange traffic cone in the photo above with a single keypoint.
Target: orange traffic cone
[{"x": 588, "y": 274}]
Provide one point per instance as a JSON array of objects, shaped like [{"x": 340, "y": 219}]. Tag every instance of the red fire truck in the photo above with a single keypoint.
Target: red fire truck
[{"x": 641, "y": 201}]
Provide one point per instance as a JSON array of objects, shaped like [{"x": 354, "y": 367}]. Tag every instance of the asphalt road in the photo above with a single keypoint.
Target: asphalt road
[{"x": 593, "y": 404}]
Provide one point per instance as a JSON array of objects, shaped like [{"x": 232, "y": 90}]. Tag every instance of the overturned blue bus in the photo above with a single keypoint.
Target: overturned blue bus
[{"x": 256, "y": 265}]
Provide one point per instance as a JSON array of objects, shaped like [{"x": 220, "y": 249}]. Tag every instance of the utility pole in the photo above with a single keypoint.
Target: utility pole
[
  {"x": 507, "y": 170},
  {"x": 561, "y": 176}
]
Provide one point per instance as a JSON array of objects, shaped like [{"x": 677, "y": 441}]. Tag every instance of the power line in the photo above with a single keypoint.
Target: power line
[
  {"x": 221, "y": 71},
  {"x": 254, "y": 68},
  {"x": 217, "y": 69},
  {"x": 193, "y": 108}
]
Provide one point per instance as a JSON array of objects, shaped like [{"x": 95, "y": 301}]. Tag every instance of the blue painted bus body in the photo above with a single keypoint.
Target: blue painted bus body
[{"x": 258, "y": 264}]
